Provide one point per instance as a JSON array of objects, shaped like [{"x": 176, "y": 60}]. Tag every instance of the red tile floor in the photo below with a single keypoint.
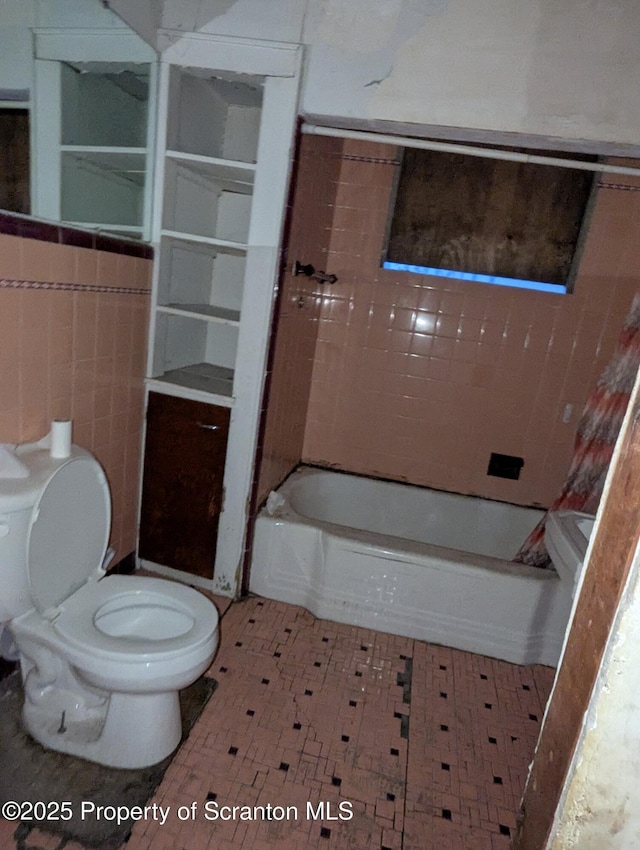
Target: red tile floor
[{"x": 347, "y": 738}]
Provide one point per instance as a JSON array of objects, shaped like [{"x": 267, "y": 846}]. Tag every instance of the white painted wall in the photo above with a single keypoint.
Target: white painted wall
[
  {"x": 17, "y": 17},
  {"x": 536, "y": 67},
  {"x": 16, "y": 65},
  {"x": 265, "y": 20},
  {"x": 601, "y": 799},
  {"x": 144, "y": 18},
  {"x": 270, "y": 20},
  {"x": 82, "y": 14}
]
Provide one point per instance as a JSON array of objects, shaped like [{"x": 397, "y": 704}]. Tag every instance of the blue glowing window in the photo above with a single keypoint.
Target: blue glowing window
[
  {"x": 558, "y": 288},
  {"x": 516, "y": 224}
]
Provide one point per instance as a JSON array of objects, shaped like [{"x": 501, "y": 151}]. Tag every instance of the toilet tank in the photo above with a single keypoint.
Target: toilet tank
[
  {"x": 15, "y": 598},
  {"x": 17, "y": 498}
]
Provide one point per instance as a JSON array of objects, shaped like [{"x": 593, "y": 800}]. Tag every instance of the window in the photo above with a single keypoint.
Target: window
[{"x": 488, "y": 220}]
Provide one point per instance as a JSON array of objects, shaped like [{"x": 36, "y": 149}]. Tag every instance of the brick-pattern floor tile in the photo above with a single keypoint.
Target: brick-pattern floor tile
[{"x": 427, "y": 748}]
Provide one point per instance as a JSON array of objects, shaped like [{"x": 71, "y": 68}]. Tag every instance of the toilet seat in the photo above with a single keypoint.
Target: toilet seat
[{"x": 190, "y": 612}]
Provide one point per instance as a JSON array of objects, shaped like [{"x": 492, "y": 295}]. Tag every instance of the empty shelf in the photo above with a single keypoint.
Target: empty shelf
[
  {"x": 203, "y": 377},
  {"x": 202, "y": 311}
]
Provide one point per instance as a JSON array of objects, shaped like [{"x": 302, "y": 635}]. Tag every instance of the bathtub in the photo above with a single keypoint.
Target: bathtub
[{"x": 411, "y": 561}]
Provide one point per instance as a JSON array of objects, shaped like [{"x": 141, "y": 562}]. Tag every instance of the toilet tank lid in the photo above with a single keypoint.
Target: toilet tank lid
[
  {"x": 69, "y": 531},
  {"x": 29, "y": 466},
  {"x": 11, "y": 467}
]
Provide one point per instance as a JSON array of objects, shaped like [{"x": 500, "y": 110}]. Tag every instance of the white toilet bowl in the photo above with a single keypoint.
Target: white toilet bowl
[
  {"x": 113, "y": 660},
  {"x": 102, "y": 657}
]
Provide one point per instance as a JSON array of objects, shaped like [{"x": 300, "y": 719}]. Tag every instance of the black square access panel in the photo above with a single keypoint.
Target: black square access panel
[{"x": 505, "y": 466}]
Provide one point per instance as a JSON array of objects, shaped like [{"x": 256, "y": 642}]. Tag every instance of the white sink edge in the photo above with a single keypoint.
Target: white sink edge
[{"x": 567, "y": 535}]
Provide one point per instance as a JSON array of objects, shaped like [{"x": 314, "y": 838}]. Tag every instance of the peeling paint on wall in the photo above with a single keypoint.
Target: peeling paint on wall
[
  {"x": 193, "y": 15},
  {"x": 534, "y": 67},
  {"x": 377, "y": 82},
  {"x": 367, "y": 25},
  {"x": 463, "y": 68},
  {"x": 353, "y": 46}
]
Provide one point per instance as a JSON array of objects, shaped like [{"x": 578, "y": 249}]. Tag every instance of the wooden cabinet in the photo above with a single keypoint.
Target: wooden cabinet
[{"x": 186, "y": 444}]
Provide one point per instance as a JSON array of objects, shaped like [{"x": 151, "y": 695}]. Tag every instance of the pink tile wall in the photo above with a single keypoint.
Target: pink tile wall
[
  {"x": 77, "y": 354},
  {"x": 316, "y": 182},
  {"x": 419, "y": 379}
]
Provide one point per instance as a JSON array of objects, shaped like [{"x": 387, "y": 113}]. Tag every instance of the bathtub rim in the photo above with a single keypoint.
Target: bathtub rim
[
  {"x": 305, "y": 468},
  {"x": 391, "y": 545}
]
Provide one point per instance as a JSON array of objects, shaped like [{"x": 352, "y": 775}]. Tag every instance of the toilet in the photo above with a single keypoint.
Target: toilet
[{"x": 102, "y": 657}]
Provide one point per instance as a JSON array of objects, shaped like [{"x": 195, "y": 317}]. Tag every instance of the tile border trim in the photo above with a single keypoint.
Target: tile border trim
[{"x": 6, "y": 283}]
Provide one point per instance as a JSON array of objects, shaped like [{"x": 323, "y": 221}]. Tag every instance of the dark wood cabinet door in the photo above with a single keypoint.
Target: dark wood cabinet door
[{"x": 182, "y": 490}]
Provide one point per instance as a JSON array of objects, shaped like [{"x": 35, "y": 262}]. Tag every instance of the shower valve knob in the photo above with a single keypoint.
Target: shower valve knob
[
  {"x": 309, "y": 271},
  {"x": 301, "y": 268}
]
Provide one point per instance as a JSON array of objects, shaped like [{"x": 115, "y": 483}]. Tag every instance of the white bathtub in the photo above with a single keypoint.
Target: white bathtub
[{"x": 410, "y": 561}]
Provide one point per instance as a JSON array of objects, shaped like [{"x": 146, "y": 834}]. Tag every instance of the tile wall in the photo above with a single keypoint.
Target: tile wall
[
  {"x": 73, "y": 332},
  {"x": 420, "y": 379},
  {"x": 298, "y": 308}
]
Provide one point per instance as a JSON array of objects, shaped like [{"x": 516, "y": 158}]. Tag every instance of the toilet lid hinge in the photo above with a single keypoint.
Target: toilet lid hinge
[{"x": 52, "y": 614}]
